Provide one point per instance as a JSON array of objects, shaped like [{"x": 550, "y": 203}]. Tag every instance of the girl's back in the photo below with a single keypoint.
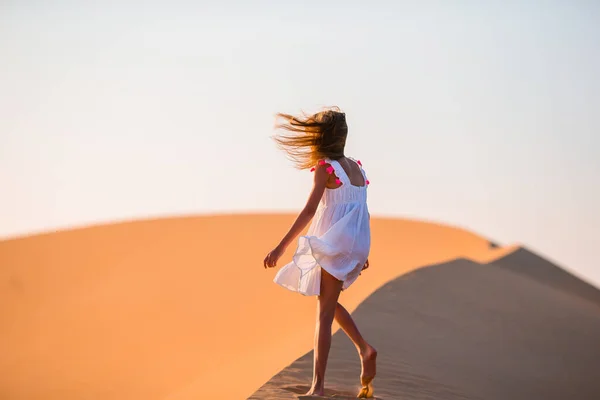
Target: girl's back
[{"x": 342, "y": 186}]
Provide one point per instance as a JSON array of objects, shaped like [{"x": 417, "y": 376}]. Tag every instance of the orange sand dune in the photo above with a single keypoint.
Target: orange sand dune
[{"x": 176, "y": 308}]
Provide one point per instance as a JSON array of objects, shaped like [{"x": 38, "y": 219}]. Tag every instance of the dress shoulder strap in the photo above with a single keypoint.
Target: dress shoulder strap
[
  {"x": 339, "y": 171},
  {"x": 336, "y": 167}
]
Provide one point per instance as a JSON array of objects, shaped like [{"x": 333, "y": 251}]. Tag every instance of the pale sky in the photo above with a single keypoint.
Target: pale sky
[{"x": 479, "y": 114}]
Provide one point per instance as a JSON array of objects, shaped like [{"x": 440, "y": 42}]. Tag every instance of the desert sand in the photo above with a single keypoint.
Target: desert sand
[
  {"x": 462, "y": 330},
  {"x": 181, "y": 308}
]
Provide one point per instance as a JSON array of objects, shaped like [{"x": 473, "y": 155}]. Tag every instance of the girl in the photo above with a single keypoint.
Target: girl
[{"x": 336, "y": 249}]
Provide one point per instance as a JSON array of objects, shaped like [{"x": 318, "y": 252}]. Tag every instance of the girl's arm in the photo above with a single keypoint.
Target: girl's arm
[
  {"x": 309, "y": 210},
  {"x": 307, "y": 213}
]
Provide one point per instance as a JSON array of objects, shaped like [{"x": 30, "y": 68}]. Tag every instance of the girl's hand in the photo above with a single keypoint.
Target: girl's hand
[{"x": 272, "y": 258}]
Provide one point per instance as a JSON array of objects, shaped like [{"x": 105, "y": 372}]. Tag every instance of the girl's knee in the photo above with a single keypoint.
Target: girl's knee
[
  {"x": 326, "y": 316},
  {"x": 327, "y": 310}
]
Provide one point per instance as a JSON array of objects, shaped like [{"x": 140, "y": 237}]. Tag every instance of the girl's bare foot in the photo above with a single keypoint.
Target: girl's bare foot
[
  {"x": 368, "y": 361},
  {"x": 366, "y": 392},
  {"x": 315, "y": 392}
]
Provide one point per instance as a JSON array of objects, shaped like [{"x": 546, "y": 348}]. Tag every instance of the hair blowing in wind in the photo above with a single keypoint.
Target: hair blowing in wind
[{"x": 310, "y": 138}]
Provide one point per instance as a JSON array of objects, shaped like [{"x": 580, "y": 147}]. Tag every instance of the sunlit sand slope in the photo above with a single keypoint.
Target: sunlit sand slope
[{"x": 175, "y": 308}]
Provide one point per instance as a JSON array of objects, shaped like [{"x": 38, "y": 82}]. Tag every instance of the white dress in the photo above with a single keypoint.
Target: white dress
[{"x": 338, "y": 240}]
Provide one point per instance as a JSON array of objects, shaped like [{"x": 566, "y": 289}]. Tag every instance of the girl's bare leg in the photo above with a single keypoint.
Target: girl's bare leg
[
  {"x": 367, "y": 353},
  {"x": 326, "y": 306}
]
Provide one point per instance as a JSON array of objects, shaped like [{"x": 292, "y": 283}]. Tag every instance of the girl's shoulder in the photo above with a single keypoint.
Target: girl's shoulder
[
  {"x": 356, "y": 160},
  {"x": 324, "y": 163}
]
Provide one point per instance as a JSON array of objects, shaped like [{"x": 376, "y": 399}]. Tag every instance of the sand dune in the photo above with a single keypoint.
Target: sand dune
[
  {"x": 178, "y": 308},
  {"x": 462, "y": 330},
  {"x": 531, "y": 265}
]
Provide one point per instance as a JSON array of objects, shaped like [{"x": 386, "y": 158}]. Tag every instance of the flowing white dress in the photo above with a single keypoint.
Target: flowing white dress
[{"x": 338, "y": 240}]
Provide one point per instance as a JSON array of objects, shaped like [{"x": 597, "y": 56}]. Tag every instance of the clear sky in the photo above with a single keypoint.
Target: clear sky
[{"x": 478, "y": 114}]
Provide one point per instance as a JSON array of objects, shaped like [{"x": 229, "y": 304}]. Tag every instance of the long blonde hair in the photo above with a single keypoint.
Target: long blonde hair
[{"x": 311, "y": 138}]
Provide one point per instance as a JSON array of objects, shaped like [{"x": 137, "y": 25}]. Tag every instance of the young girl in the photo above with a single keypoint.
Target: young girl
[{"x": 336, "y": 249}]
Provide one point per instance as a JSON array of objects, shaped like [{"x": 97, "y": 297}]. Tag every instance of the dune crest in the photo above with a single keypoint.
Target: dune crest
[{"x": 173, "y": 308}]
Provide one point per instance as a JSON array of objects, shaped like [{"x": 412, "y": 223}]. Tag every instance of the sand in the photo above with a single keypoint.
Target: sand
[
  {"x": 182, "y": 308},
  {"x": 463, "y": 330}
]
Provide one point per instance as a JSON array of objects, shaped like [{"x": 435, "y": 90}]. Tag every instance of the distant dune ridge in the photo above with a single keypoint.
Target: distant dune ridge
[{"x": 180, "y": 308}]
